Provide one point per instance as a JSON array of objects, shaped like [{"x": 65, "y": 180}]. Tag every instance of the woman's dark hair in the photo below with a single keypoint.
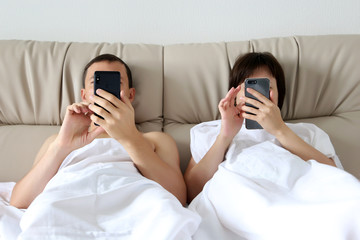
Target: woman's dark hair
[
  {"x": 246, "y": 65},
  {"x": 110, "y": 58}
]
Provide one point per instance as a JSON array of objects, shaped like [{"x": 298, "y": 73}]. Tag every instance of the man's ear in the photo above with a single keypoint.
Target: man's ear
[
  {"x": 83, "y": 94},
  {"x": 132, "y": 94}
]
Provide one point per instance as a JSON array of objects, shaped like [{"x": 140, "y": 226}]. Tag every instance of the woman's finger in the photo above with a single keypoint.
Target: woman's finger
[
  {"x": 259, "y": 96},
  {"x": 249, "y": 116},
  {"x": 252, "y": 102},
  {"x": 234, "y": 94},
  {"x": 228, "y": 94},
  {"x": 249, "y": 109}
]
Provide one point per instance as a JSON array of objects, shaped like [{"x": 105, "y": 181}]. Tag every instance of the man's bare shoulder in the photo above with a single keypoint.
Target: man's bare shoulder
[
  {"x": 157, "y": 135},
  {"x": 45, "y": 147},
  {"x": 49, "y": 140},
  {"x": 165, "y": 146},
  {"x": 159, "y": 138}
]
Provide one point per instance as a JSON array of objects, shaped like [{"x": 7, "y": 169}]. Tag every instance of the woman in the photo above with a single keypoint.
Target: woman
[{"x": 233, "y": 112}]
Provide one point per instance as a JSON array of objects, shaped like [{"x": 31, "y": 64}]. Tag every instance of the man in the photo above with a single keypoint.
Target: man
[{"x": 154, "y": 154}]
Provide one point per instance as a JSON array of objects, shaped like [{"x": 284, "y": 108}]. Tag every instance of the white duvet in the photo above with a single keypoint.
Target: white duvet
[
  {"x": 99, "y": 194},
  {"x": 262, "y": 191}
]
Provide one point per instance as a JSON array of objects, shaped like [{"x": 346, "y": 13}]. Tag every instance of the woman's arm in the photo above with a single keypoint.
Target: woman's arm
[
  {"x": 197, "y": 175},
  {"x": 269, "y": 117},
  {"x": 292, "y": 142}
]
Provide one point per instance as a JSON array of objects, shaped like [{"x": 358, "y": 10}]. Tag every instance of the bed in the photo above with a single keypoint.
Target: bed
[{"x": 181, "y": 85}]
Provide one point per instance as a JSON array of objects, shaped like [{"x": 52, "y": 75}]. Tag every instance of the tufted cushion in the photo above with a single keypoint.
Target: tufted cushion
[
  {"x": 177, "y": 86},
  {"x": 40, "y": 79}
]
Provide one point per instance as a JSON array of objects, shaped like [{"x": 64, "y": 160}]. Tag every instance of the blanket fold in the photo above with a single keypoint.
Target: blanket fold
[
  {"x": 263, "y": 191},
  {"x": 101, "y": 195}
]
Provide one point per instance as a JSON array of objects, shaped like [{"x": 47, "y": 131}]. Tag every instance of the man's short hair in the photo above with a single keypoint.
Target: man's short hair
[{"x": 109, "y": 58}]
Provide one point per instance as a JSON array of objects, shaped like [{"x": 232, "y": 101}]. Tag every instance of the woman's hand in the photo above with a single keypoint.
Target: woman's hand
[
  {"x": 231, "y": 117},
  {"x": 267, "y": 115},
  {"x": 74, "y": 132}
]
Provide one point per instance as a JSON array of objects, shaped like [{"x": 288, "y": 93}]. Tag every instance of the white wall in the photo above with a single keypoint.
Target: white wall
[{"x": 170, "y": 21}]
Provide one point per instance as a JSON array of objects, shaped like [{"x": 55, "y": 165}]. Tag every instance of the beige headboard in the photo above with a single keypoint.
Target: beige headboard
[{"x": 177, "y": 86}]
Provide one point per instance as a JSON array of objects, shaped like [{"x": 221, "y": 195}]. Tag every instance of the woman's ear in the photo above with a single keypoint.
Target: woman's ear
[{"x": 272, "y": 96}]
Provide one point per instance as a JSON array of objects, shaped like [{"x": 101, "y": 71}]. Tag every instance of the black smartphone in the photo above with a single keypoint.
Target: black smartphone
[
  {"x": 108, "y": 81},
  {"x": 261, "y": 85}
]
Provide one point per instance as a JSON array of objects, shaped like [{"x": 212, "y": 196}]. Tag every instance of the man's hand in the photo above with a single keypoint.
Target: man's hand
[
  {"x": 74, "y": 132},
  {"x": 119, "y": 116},
  {"x": 154, "y": 154}
]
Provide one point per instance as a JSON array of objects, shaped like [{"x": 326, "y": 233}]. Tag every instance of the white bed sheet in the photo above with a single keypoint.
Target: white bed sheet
[
  {"x": 98, "y": 195},
  {"x": 265, "y": 192},
  {"x": 9, "y": 216}
]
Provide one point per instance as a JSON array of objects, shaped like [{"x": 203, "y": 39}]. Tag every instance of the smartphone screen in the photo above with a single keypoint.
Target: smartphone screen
[
  {"x": 261, "y": 85},
  {"x": 108, "y": 81}
]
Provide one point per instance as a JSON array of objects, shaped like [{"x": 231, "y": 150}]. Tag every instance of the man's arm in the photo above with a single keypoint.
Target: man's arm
[
  {"x": 155, "y": 155},
  {"x": 73, "y": 134},
  {"x": 159, "y": 163},
  {"x": 45, "y": 167}
]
